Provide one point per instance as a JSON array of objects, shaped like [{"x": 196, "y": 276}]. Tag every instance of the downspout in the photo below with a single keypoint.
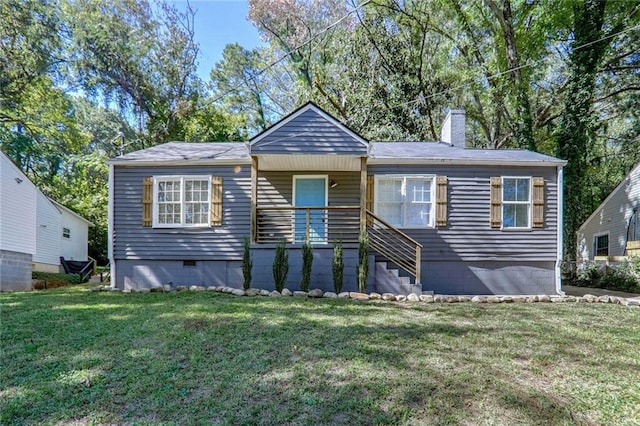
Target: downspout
[
  {"x": 559, "y": 231},
  {"x": 110, "y": 229}
]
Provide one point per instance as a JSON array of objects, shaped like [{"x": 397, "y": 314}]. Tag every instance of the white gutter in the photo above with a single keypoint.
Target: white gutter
[
  {"x": 560, "y": 231},
  {"x": 110, "y": 228}
]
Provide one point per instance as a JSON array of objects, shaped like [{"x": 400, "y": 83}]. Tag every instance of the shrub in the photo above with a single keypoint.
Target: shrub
[
  {"x": 307, "y": 263},
  {"x": 280, "y": 265},
  {"x": 363, "y": 262},
  {"x": 54, "y": 280},
  {"x": 247, "y": 264},
  {"x": 337, "y": 266},
  {"x": 622, "y": 277}
]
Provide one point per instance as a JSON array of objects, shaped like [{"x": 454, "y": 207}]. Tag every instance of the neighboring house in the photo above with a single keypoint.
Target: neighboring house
[
  {"x": 35, "y": 231},
  {"x": 613, "y": 229},
  {"x": 440, "y": 217}
]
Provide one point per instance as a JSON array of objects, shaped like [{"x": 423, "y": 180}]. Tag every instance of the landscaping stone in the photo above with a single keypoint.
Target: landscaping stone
[
  {"x": 479, "y": 299},
  {"x": 388, "y": 296},
  {"x": 375, "y": 296},
  {"x": 532, "y": 299},
  {"x": 427, "y": 298},
  {"x": 358, "y": 296},
  {"x": 238, "y": 292},
  {"x": 493, "y": 299},
  {"x": 300, "y": 294},
  {"x": 330, "y": 295},
  {"x": 343, "y": 295},
  {"x": 603, "y": 299},
  {"x": 286, "y": 292},
  {"x": 115, "y": 289},
  {"x": 220, "y": 288},
  {"x": 570, "y": 299},
  {"x": 181, "y": 288},
  {"x": 589, "y": 298},
  {"x": 401, "y": 298},
  {"x": 316, "y": 292},
  {"x": 275, "y": 293},
  {"x": 251, "y": 292},
  {"x": 413, "y": 297},
  {"x": 544, "y": 298},
  {"x": 506, "y": 299},
  {"x": 439, "y": 298},
  {"x": 211, "y": 288},
  {"x": 451, "y": 299},
  {"x": 167, "y": 287},
  {"x": 126, "y": 290},
  {"x": 464, "y": 299},
  {"x": 156, "y": 289},
  {"x": 264, "y": 292},
  {"x": 556, "y": 299},
  {"x": 519, "y": 299},
  {"x": 633, "y": 302},
  {"x": 144, "y": 290}
]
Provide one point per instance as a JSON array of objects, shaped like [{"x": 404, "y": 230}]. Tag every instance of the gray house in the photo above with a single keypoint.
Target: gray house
[
  {"x": 440, "y": 217},
  {"x": 613, "y": 229}
]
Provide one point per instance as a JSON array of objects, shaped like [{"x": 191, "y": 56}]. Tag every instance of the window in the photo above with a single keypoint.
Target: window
[
  {"x": 601, "y": 245},
  {"x": 181, "y": 201},
  {"x": 404, "y": 201},
  {"x": 516, "y": 202},
  {"x": 66, "y": 233}
]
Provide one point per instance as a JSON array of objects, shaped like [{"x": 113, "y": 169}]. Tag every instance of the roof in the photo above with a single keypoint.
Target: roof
[
  {"x": 440, "y": 152},
  {"x": 187, "y": 152}
]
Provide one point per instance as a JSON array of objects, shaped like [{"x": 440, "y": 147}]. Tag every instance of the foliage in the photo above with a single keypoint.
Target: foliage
[
  {"x": 54, "y": 280},
  {"x": 337, "y": 266},
  {"x": 307, "y": 263},
  {"x": 280, "y": 265},
  {"x": 363, "y": 262},
  {"x": 621, "y": 277},
  {"x": 62, "y": 361},
  {"x": 247, "y": 263}
]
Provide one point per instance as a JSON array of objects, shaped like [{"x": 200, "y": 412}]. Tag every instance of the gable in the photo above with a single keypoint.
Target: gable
[{"x": 309, "y": 130}]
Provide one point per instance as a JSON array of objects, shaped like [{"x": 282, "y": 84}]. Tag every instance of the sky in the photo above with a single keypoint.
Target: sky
[{"x": 216, "y": 24}]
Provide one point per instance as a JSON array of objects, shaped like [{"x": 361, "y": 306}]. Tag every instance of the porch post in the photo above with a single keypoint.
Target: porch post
[
  {"x": 363, "y": 194},
  {"x": 254, "y": 197}
]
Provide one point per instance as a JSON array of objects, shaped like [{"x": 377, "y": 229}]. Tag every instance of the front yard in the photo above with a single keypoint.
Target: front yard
[{"x": 70, "y": 356}]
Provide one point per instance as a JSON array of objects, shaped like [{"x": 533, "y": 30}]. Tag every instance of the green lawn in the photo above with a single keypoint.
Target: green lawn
[{"x": 74, "y": 357}]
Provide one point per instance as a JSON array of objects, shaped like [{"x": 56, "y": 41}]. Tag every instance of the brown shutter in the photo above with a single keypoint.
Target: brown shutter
[
  {"x": 538, "y": 202},
  {"x": 370, "y": 192},
  {"x": 147, "y": 201},
  {"x": 441, "y": 201},
  {"x": 496, "y": 202},
  {"x": 216, "y": 201}
]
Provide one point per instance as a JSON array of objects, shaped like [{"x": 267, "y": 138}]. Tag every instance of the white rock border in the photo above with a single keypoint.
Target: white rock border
[{"x": 389, "y": 297}]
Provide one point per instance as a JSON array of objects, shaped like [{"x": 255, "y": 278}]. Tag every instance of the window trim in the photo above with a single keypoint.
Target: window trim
[
  {"x": 68, "y": 233},
  {"x": 595, "y": 241},
  {"x": 181, "y": 179},
  {"x": 432, "y": 189},
  {"x": 529, "y": 226}
]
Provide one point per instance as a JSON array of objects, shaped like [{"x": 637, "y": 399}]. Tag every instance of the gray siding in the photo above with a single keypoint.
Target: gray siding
[
  {"x": 612, "y": 217},
  {"x": 133, "y": 241},
  {"x": 468, "y": 235},
  {"x": 309, "y": 133}
]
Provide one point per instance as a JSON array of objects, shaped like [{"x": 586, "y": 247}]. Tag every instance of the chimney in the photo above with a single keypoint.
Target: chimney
[{"x": 452, "y": 131}]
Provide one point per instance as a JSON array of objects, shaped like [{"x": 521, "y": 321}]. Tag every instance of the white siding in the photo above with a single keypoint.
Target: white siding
[
  {"x": 48, "y": 231},
  {"x": 611, "y": 216},
  {"x": 74, "y": 247},
  {"x": 17, "y": 209}
]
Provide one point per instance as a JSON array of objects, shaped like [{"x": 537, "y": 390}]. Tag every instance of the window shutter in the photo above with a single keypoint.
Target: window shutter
[
  {"x": 147, "y": 201},
  {"x": 370, "y": 192},
  {"x": 441, "y": 201},
  {"x": 496, "y": 202},
  {"x": 538, "y": 202},
  {"x": 216, "y": 201}
]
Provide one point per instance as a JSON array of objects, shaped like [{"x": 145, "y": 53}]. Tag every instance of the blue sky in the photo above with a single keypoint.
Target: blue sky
[{"x": 218, "y": 23}]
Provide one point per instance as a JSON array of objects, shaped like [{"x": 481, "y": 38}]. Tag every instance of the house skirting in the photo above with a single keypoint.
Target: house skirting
[
  {"x": 489, "y": 277},
  {"x": 47, "y": 267},
  {"x": 15, "y": 271}
]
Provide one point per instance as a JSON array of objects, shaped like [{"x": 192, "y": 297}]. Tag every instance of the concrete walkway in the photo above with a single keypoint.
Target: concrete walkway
[{"x": 581, "y": 291}]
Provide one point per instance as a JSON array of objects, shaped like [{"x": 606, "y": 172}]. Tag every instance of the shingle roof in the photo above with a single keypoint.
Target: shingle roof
[
  {"x": 439, "y": 151},
  {"x": 184, "y": 151}
]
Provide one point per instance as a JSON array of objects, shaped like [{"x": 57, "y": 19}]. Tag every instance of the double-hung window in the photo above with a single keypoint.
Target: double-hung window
[
  {"x": 516, "y": 202},
  {"x": 405, "y": 201},
  {"x": 601, "y": 245},
  {"x": 181, "y": 201}
]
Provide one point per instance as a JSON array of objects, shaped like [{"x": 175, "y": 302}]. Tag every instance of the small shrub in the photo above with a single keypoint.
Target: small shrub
[
  {"x": 622, "y": 277},
  {"x": 363, "y": 262},
  {"x": 280, "y": 266},
  {"x": 307, "y": 263},
  {"x": 337, "y": 266},
  {"x": 54, "y": 280},
  {"x": 247, "y": 264},
  {"x": 589, "y": 275}
]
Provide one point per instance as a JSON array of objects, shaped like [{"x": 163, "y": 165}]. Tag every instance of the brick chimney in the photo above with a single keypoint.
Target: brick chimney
[{"x": 452, "y": 131}]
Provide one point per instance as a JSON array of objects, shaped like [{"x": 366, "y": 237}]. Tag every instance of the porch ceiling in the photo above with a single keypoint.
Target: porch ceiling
[{"x": 308, "y": 162}]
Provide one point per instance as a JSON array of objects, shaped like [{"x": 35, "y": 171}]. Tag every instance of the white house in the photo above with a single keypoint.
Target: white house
[
  {"x": 613, "y": 229},
  {"x": 35, "y": 231}
]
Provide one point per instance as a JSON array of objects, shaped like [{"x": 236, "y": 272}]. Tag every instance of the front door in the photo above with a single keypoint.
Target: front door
[{"x": 310, "y": 191}]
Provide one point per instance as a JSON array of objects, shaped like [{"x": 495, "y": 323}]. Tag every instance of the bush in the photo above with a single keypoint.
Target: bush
[
  {"x": 337, "y": 266},
  {"x": 247, "y": 264},
  {"x": 363, "y": 263},
  {"x": 54, "y": 280},
  {"x": 622, "y": 277},
  {"x": 307, "y": 263},
  {"x": 280, "y": 266}
]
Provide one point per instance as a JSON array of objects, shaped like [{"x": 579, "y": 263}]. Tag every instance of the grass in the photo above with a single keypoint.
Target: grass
[{"x": 74, "y": 357}]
